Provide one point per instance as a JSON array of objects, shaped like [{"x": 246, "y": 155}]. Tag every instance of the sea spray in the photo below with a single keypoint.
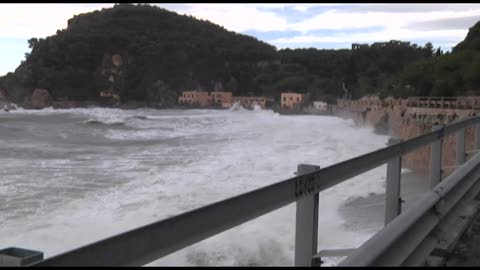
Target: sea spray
[{"x": 95, "y": 181}]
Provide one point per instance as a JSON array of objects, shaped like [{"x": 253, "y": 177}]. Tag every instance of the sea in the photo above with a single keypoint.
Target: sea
[{"x": 70, "y": 177}]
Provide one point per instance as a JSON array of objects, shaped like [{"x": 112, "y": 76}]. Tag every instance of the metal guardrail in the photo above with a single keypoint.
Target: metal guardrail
[
  {"x": 431, "y": 98},
  {"x": 153, "y": 241},
  {"x": 408, "y": 239},
  {"x": 400, "y": 242},
  {"x": 463, "y": 102}
]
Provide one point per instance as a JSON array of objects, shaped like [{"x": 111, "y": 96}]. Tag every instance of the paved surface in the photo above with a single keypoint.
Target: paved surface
[
  {"x": 368, "y": 213},
  {"x": 467, "y": 250}
]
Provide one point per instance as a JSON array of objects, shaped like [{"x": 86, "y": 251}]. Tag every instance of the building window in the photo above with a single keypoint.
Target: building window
[
  {"x": 298, "y": 99},
  {"x": 284, "y": 99}
]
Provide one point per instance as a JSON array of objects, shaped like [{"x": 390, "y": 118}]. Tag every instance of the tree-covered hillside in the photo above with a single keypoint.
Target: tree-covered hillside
[
  {"x": 146, "y": 53},
  {"x": 154, "y": 45},
  {"x": 452, "y": 74},
  {"x": 367, "y": 70}
]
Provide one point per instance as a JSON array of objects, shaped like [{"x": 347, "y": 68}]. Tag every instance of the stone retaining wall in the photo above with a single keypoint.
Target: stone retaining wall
[{"x": 405, "y": 121}]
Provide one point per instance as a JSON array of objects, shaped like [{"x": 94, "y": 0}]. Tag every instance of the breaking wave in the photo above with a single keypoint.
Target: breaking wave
[
  {"x": 237, "y": 107},
  {"x": 115, "y": 170}
]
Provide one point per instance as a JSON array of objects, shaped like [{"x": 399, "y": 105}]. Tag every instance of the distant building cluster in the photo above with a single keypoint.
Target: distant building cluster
[
  {"x": 220, "y": 99},
  {"x": 201, "y": 99},
  {"x": 356, "y": 46},
  {"x": 249, "y": 102},
  {"x": 289, "y": 101}
]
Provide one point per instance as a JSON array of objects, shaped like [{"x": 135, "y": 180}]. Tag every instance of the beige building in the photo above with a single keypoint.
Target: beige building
[
  {"x": 250, "y": 102},
  {"x": 289, "y": 100},
  {"x": 221, "y": 99},
  {"x": 199, "y": 98}
]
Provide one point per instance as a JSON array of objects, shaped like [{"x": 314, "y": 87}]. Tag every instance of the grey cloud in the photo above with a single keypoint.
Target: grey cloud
[
  {"x": 413, "y": 7},
  {"x": 445, "y": 24}
]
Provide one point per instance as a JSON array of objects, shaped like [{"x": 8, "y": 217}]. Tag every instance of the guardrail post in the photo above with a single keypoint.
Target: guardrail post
[
  {"x": 306, "y": 228},
  {"x": 393, "y": 201},
  {"x": 476, "y": 145},
  {"x": 436, "y": 159},
  {"x": 460, "y": 145}
]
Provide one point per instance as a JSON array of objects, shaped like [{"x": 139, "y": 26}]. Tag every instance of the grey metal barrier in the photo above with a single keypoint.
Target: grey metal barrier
[
  {"x": 412, "y": 236},
  {"x": 153, "y": 241}
]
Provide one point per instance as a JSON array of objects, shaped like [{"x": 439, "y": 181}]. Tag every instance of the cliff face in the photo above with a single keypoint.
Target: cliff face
[
  {"x": 405, "y": 121},
  {"x": 40, "y": 99},
  {"x": 110, "y": 75}
]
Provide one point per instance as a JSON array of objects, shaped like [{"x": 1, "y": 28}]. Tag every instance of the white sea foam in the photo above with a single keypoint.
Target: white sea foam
[
  {"x": 97, "y": 192},
  {"x": 257, "y": 107},
  {"x": 237, "y": 107}
]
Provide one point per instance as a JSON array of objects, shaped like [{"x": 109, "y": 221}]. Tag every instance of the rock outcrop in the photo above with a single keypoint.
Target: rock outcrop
[
  {"x": 3, "y": 94},
  {"x": 5, "y": 104},
  {"x": 111, "y": 74},
  {"x": 3, "y": 98},
  {"x": 40, "y": 99}
]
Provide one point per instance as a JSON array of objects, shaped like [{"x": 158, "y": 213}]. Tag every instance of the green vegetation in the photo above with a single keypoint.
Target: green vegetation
[
  {"x": 163, "y": 53},
  {"x": 157, "y": 47},
  {"x": 366, "y": 70},
  {"x": 451, "y": 74}
]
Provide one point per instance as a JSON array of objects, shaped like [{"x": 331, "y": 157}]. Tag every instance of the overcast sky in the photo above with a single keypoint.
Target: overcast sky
[{"x": 330, "y": 26}]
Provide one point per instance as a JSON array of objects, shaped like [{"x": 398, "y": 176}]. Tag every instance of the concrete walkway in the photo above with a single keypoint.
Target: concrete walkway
[
  {"x": 467, "y": 250},
  {"x": 369, "y": 213}
]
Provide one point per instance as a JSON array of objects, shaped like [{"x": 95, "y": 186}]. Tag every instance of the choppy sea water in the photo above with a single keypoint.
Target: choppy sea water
[{"x": 72, "y": 177}]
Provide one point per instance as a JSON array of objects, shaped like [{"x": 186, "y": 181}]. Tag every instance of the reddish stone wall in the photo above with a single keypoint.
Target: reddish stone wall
[{"x": 409, "y": 122}]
